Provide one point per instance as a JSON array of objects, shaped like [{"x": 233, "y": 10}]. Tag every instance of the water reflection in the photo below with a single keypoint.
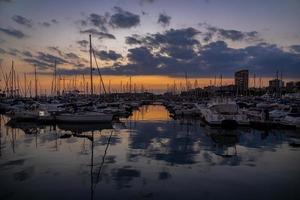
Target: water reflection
[{"x": 148, "y": 156}]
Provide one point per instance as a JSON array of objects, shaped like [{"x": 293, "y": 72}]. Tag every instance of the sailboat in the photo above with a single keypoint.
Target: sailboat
[{"x": 81, "y": 116}]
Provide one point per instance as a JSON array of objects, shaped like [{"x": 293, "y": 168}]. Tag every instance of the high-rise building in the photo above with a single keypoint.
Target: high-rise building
[
  {"x": 241, "y": 79},
  {"x": 290, "y": 85},
  {"x": 276, "y": 84}
]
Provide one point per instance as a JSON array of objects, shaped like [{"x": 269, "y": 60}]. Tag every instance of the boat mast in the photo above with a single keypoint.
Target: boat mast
[
  {"x": 25, "y": 83},
  {"x": 35, "y": 82},
  {"x": 55, "y": 87},
  {"x": 186, "y": 82},
  {"x": 130, "y": 84},
  {"x": 92, "y": 90},
  {"x": 12, "y": 78}
]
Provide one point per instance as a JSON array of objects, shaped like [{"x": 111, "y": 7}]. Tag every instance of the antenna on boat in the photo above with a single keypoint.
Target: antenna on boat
[{"x": 91, "y": 65}]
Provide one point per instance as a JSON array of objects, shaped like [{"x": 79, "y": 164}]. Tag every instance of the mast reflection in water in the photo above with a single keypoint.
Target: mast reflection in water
[{"x": 147, "y": 156}]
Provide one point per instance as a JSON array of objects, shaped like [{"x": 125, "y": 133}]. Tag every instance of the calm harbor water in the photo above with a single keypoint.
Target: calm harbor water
[{"x": 148, "y": 156}]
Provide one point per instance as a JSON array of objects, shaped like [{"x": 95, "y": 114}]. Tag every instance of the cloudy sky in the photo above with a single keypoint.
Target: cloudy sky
[{"x": 203, "y": 38}]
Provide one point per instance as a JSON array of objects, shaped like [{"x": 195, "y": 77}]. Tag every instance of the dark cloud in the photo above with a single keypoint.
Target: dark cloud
[
  {"x": 13, "y": 32},
  {"x": 124, "y": 19},
  {"x": 160, "y": 51},
  {"x": 7, "y": 1},
  {"x": 229, "y": 34},
  {"x": 83, "y": 43},
  {"x": 71, "y": 56},
  {"x": 142, "y": 2},
  {"x": 219, "y": 58},
  {"x": 176, "y": 51},
  {"x": 50, "y": 58},
  {"x": 54, "y": 21},
  {"x": 16, "y": 52},
  {"x": 22, "y": 21},
  {"x": 27, "y": 53},
  {"x": 55, "y": 50},
  {"x": 82, "y": 23},
  {"x": 41, "y": 60},
  {"x": 101, "y": 35},
  {"x": 108, "y": 55},
  {"x": 267, "y": 58},
  {"x": 38, "y": 63},
  {"x": 46, "y": 24},
  {"x": 13, "y": 52},
  {"x": 213, "y": 58},
  {"x": 164, "y": 20},
  {"x": 133, "y": 40},
  {"x": 178, "y": 37},
  {"x": 46, "y": 60},
  {"x": 141, "y": 56},
  {"x": 98, "y": 21},
  {"x": 2, "y": 51},
  {"x": 295, "y": 48}
]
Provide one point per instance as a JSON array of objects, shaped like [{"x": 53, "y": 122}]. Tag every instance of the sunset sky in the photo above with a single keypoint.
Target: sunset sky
[{"x": 155, "y": 41}]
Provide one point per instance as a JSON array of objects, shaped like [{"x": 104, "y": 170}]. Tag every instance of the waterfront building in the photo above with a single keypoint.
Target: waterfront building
[{"x": 241, "y": 79}]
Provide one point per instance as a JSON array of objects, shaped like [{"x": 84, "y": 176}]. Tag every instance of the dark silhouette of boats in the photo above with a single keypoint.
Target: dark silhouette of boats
[
  {"x": 224, "y": 141},
  {"x": 82, "y": 130},
  {"x": 27, "y": 127}
]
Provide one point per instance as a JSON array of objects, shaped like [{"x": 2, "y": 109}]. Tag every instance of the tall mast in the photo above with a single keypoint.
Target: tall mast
[
  {"x": 30, "y": 89},
  {"x": 12, "y": 78},
  {"x": 186, "y": 82},
  {"x": 121, "y": 91},
  {"x": 35, "y": 82},
  {"x": 92, "y": 88},
  {"x": 18, "y": 82},
  {"x": 55, "y": 87},
  {"x": 108, "y": 87},
  {"x": 259, "y": 82},
  {"x": 215, "y": 81},
  {"x": 129, "y": 84},
  {"x": 15, "y": 82},
  {"x": 25, "y": 87}
]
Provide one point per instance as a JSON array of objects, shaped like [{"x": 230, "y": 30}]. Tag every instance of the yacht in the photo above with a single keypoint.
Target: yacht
[
  {"x": 291, "y": 120},
  {"x": 224, "y": 114}
]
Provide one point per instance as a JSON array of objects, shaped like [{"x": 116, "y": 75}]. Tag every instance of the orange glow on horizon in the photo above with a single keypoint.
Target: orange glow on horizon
[{"x": 150, "y": 83}]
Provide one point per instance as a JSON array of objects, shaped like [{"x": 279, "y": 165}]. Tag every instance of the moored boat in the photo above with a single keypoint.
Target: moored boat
[{"x": 224, "y": 114}]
